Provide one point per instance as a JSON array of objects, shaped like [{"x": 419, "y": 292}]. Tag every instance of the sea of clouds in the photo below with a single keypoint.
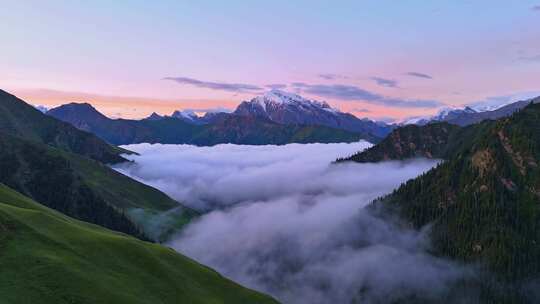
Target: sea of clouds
[{"x": 285, "y": 221}]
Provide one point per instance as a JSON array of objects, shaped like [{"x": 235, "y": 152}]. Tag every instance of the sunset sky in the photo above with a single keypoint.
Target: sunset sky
[{"x": 381, "y": 59}]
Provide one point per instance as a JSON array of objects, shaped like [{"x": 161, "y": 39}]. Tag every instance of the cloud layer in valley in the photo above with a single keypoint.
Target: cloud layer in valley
[{"x": 283, "y": 220}]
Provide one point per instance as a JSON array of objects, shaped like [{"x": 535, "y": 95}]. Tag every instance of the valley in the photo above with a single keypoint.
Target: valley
[{"x": 261, "y": 152}]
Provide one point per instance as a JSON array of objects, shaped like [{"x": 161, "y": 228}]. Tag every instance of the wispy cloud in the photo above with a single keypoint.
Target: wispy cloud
[
  {"x": 389, "y": 83},
  {"x": 534, "y": 58},
  {"x": 419, "y": 75},
  {"x": 221, "y": 86},
  {"x": 277, "y": 86},
  {"x": 361, "y": 110},
  {"x": 209, "y": 110},
  {"x": 354, "y": 93},
  {"x": 329, "y": 76},
  {"x": 536, "y": 8}
]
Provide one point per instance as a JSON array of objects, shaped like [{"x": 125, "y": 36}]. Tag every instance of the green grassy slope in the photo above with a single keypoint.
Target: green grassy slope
[
  {"x": 47, "y": 257},
  {"x": 88, "y": 190}
]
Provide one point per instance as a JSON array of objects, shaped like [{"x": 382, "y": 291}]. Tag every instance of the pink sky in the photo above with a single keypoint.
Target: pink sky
[{"x": 371, "y": 54}]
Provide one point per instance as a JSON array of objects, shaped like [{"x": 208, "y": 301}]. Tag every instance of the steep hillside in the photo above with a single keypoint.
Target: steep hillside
[
  {"x": 213, "y": 129},
  {"x": 18, "y": 118},
  {"x": 47, "y": 257},
  {"x": 411, "y": 141},
  {"x": 88, "y": 190},
  {"x": 483, "y": 204}
]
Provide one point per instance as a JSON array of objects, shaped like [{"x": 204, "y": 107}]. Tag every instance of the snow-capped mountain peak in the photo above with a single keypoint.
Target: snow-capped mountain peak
[
  {"x": 443, "y": 115},
  {"x": 42, "y": 109},
  {"x": 288, "y": 108},
  {"x": 276, "y": 98},
  {"x": 185, "y": 114}
]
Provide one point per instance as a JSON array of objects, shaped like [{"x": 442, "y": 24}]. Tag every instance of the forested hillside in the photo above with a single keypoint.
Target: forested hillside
[{"x": 483, "y": 204}]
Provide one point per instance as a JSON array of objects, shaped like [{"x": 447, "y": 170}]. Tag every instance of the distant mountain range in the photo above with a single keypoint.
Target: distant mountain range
[
  {"x": 273, "y": 118},
  {"x": 469, "y": 115},
  {"x": 481, "y": 203}
]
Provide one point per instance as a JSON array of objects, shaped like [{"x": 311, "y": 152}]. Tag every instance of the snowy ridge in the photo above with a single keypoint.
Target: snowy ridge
[
  {"x": 442, "y": 115},
  {"x": 185, "y": 114},
  {"x": 275, "y": 98}
]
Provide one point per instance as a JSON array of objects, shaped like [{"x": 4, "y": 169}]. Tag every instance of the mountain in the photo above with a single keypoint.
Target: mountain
[
  {"x": 65, "y": 169},
  {"x": 286, "y": 108},
  {"x": 481, "y": 202},
  {"x": 187, "y": 116},
  {"x": 250, "y": 130},
  {"x": 154, "y": 116},
  {"x": 215, "y": 128},
  {"x": 471, "y": 118},
  {"x": 18, "y": 118},
  {"x": 468, "y": 115},
  {"x": 47, "y": 257},
  {"x": 430, "y": 141},
  {"x": 42, "y": 109}
]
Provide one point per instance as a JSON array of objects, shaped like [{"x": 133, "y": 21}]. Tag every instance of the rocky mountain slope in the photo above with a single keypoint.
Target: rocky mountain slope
[{"x": 286, "y": 108}]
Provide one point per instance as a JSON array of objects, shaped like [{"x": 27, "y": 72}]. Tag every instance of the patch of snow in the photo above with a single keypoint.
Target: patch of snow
[
  {"x": 42, "y": 109},
  {"x": 185, "y": 114}
]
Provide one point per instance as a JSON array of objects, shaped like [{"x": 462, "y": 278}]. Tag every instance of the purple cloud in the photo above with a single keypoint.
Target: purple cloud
[
  {"x": 389, "y": 83},
  {"x": 329, "y": 76},
  {"x": 221, "y": 86},
  {"x": 354, "y": 93},
  {"x": 419, "y": 75},
  {"x": 361, "y": 110},
  {"x": 535, "y": 58},
  {"x": 276, "y": 86}
]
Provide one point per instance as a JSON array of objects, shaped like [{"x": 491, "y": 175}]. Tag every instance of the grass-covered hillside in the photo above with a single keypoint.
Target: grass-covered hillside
[{"x": 47, "y": 257}]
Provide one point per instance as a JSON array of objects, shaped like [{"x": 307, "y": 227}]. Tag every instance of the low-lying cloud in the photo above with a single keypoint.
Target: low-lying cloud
[{"x": 283, "y": 220}]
